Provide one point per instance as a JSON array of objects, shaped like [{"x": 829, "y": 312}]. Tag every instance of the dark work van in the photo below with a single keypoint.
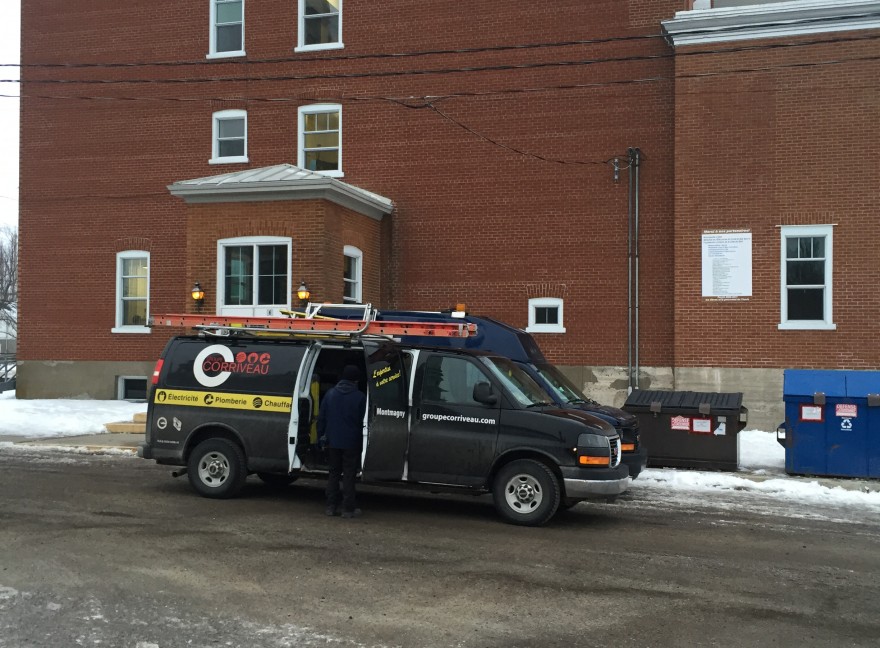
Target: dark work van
[
  {"x": 518, "y": 345},
  {"x": 439, "y": 419}
]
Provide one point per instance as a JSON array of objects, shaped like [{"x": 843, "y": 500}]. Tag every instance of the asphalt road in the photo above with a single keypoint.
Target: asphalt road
[{"x": 111, "y": 551}]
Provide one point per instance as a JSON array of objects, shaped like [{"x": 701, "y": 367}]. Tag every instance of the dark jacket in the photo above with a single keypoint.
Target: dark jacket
[{"x": 341, "y": 417}]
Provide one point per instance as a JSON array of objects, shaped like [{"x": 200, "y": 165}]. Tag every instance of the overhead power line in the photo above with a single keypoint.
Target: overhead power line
[
  {"x": 307, "y": 57},
  {"x": 487, "y": 68}
]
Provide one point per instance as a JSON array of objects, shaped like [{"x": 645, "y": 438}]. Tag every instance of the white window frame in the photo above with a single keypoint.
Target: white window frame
[
  {"x": 356, "y": 254},
  {"x": 301, "y": 140},
  {"x": 826, "y": 231},
  {"x": 212, "y": 35},
  {"x": 227, "y": 115},
  {"x": 545, "y": 302},
  {"x": 264, "y": 309},
  {"x": 119, "y": 326},
  {"x": 301, "y": 32}
]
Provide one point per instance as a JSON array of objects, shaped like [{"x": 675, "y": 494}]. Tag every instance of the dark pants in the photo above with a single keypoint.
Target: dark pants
[{"x": 344, "y": 464}]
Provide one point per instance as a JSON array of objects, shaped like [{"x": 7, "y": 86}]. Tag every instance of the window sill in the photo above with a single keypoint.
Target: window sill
[
  {"x": 545, "y": 329},
  {"x": 807, "y": 326},
  {"x": 218, "y": 55},
  {"x": 131, "y": 329},
  {"x": 318, "y": 48},
  {"x": 229, "y": 160}
]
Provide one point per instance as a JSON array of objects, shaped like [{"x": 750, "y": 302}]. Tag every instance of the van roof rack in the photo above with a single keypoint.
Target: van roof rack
[{"x": 311, "y": 323}]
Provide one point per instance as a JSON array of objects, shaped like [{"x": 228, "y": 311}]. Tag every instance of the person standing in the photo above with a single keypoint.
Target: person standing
[{"x": 340, "y": 428}]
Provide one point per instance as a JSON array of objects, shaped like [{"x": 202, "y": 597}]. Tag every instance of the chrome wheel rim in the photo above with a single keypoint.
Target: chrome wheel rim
[
  {"x": 214, "y": 469},
  {"x": 523, "y": 494}
]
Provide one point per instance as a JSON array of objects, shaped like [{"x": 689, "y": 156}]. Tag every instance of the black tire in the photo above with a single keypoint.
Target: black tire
[
  {"x": 526, "y": 492},
  {"x": 276, "y": 480},
  {"x": 566, "y": 503},
  {"x": 217, "y": 469}
]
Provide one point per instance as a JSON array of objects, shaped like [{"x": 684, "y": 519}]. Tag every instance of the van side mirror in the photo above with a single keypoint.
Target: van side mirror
[{"x": 483, "y": 393}]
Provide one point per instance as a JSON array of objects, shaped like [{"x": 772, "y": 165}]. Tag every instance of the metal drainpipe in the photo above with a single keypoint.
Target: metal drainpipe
[
  {"x": 629, "y": 277},
  {"x": 637, "y": 154}
]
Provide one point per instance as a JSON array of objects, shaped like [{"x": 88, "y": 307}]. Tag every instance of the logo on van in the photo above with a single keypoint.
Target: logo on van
[{"x": 215, "y": 363}]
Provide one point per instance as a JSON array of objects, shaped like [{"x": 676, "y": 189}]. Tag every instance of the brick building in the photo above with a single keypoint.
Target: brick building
[{"x": 678, "y": 194}]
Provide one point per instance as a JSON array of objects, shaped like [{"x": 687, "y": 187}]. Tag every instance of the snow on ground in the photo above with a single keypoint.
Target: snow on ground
[
  {"x": 34, "y": 419},
  {"x": 761, "y": 458}
]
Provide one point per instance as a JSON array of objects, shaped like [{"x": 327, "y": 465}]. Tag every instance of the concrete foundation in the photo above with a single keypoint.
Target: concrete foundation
[{"x": 79, "y": 380}]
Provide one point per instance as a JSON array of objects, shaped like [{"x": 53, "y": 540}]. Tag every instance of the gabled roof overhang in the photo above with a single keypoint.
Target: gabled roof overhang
[
  {"x": 771, "y": 20},
  {"x": 280, "y": 182}
]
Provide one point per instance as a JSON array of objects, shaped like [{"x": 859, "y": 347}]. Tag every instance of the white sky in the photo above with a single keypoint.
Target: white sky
[{"x": 10, "y": 39}]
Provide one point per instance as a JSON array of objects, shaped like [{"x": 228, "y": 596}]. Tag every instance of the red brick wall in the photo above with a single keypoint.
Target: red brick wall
[
  {"x": 474, "y": 222},
  {"x": 791, "y": 146}
]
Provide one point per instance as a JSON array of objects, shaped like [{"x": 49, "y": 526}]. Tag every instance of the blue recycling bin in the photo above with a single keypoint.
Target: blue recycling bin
[{"x": 832, "y": 423}]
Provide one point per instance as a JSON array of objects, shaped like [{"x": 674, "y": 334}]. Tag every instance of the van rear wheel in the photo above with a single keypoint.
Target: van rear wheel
[
  {"x": 526, "y": 492},
  {"x": 216, "y": 468}
]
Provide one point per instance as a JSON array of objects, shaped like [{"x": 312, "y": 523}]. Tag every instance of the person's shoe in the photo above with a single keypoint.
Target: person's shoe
[
  {"x": 352, "y": 514},
  {"x": 331, "y": 511}
]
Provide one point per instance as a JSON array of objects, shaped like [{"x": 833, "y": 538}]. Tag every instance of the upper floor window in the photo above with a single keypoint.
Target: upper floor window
[
  {"x": 351, "y": 274},
  {"x": 320, "y": 25},
  {"x": 545, "y": 315},
  {"x": 132, "y": 291},
  {"x": 320, "y": 139},
  {"x": 806, "y": 277},
  {"x": 227, "y": 28},
  {"x": 229, "y": 137},
  {"x": 253, "y": 275}
]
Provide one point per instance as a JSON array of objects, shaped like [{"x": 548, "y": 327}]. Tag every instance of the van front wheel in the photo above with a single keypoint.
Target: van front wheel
[
  {"x": 526, "y": 492},
  {"x": 216, "y": 468}
]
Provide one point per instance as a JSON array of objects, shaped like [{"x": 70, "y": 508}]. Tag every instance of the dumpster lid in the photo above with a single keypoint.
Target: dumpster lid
[
  {"x": 861, "y": 383},
  {"x": 806, "y": 382},
  {"x": 641, "y": 400}
]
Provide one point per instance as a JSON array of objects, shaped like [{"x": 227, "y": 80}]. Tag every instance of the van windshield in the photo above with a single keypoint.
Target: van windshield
[
  {"x": 562, "y": 386},
  {"x": 524, "y": 389}
]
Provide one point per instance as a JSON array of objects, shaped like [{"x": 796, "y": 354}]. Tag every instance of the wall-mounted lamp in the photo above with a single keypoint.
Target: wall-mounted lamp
[
  {"x": 303, "y": 293},
  {"x": 198, "y": 296}
]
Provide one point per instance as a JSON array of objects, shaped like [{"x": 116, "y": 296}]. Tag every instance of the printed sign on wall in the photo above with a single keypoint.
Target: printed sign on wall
[{"x": 727, "y": 264}]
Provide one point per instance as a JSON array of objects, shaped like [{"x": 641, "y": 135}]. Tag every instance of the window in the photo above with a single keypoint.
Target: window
[
  {"x": 545, "y": 315},
  {"x": 229, "y": 137},
  {"x": 253, "y": 275},
  {"x": 320, "y": 139},
  {"x": 806, "y": 277},
  {"x": 320, "y": 25},
  {"x": 351, "y": 274},
  {"x": 132, "y": 291},
  {"x": 227, "y": 28},
  {"x": 131, "y": 388},
  {"x": 451, "y": 380}
]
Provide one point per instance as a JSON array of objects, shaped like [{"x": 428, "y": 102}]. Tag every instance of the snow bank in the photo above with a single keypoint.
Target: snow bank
[{"x": 61, "y": 417}]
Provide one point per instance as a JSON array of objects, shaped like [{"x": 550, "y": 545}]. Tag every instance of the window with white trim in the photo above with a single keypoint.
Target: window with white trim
[
  {"x": 253, "y": 275},
  {"x": 320, "y": 139},
  {"x": 806, "y": 262},
  {"x": 227, "y": 28},
  {"x": 545, "y": 315},
  {"x": 229, "y": 136},
  {"x": 319, "y": 25},
  {"x": 131, "y": 388},
  {"x": 132, "y": 291},
  {"x": 352, "y": 274}
]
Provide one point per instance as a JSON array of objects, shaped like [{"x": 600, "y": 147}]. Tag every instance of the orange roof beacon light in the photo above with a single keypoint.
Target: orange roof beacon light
[
  {"x": 460, "y": 311},
  {"x": 198, "y": 296},
  {"x": 303, "y": 293}
]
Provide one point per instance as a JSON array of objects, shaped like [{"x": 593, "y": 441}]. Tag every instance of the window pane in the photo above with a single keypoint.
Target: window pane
[
  {"x": 806, "y": 303},
  {"x": 350, "y": 268},
  {"x": 134, "y": 389},
  {"x": 229, "y": 38},
  {"x": 322, "y": 6},
  {"x": 819, "y": 247},
  {"x": 321, "y": 30},
  {"x": 134, "y": 312},
  {"x": 805, "y": 273},
  {"x": 134, "y": 267},
  {"x": 322, "y": 160},
  {"x": 231, "y": 128},
  {"x": 228, "y": 12},
  {"x": 791, "y": 248},
  {"x": 451, "y": 380},
  {"x": 134, "y": 287},
  {"x": 273, "y": 274},
  {"x": 322, "y": 140},
  {"x": 231, "y": 148},
  {"x": 239, "y": 276},
  {"x": 547, "y": 315}
]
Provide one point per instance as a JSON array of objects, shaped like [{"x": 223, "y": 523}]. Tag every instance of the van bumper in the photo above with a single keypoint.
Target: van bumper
[
  {"x": 145, "y": 451},
  {"x": 610, "y": 482}
]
